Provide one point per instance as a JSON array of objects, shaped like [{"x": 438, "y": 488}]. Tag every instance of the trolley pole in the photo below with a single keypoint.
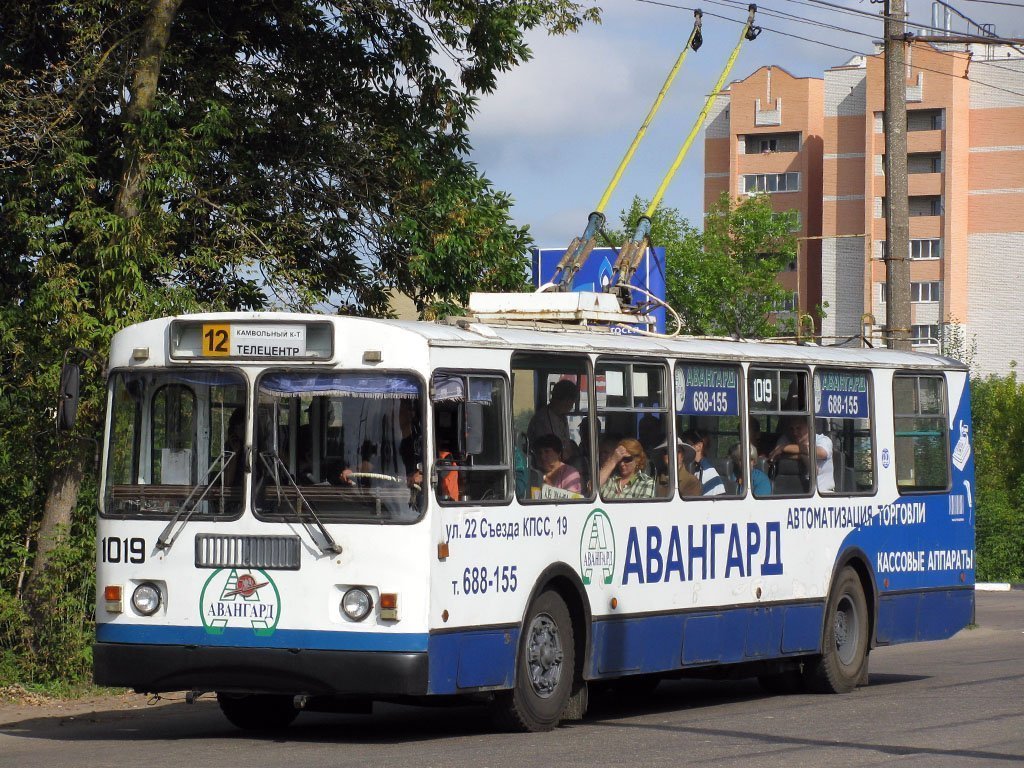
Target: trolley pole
[{"x": 897, "y": 224}]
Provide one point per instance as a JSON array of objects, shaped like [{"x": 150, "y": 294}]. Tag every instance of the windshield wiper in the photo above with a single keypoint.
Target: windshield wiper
[
  {"x": 165, "y": 541},
  {"x": 274, "y": 466}
]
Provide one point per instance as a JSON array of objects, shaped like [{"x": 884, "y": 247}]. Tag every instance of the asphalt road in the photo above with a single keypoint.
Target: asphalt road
[{"x": 951, "y": 703}]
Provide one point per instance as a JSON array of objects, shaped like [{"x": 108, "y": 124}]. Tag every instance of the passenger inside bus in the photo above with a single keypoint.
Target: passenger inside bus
[
  {"x": 621, "y": 474},
  {"x": 759, "y": 481},
  {"x": 795, "y": 444},
  {"x": 687, "y": 482},
  {"x": 711, "y": 481},
  {"x": 553, "y": 418},
  {"x": 554, "y": 472}
]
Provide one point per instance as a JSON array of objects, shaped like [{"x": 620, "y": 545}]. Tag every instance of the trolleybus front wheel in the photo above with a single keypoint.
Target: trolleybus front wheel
[
  {"x": 845, "y": 643},
  {"x": 258, "y": 712},
  {"x": 544, "y": 669}
]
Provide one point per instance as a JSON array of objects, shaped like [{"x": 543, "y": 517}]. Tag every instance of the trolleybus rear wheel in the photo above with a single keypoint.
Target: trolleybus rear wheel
[
  {"x": 544, "y": 670},
  {"x": 845, "y": 643}
]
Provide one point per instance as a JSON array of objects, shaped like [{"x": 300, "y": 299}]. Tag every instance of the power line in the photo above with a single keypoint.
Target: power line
[
  {"x": 839, "y": 47},
  {"x": 998, "y": 2}
]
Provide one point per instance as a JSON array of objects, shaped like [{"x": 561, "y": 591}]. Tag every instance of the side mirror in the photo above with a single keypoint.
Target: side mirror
[
  {"x": 67, "y": 404},
  {"x": 474, "y": 429}
]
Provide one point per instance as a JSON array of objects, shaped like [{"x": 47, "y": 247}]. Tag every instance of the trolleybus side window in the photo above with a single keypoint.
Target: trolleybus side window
[
  {"x": 552, "y": 427},
  {"x": 471, "y": 460},
  {"x": 707, "y": 407},
  {"x": 842, "y": 405},
  {"x": 633, "y": 429},
  {"x": 338, "y": 445},
  {"x": 922, "y": 435},
  {"x": 778, "y": 408}
]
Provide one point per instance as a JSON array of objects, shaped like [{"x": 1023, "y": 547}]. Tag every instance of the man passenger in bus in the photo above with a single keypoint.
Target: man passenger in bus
[
  {"x": 622, "y": 475},
  {"x": 447, "y": 481},
  {"x": 711, "y": 483},
  {"x": 795, "y": 443},
  {"x": 553, "y": 418},
  {"x": 687, "y": 482},
  {"x": 554, "y": 472}
]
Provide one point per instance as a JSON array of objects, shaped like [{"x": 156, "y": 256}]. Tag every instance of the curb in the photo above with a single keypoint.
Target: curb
[{"x": 996, "y": 587}]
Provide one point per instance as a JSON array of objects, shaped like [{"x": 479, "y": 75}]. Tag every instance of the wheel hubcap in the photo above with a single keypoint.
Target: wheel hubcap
[
  {"x": 846, "y": 629},
  {"x": 544, "y": 655}
]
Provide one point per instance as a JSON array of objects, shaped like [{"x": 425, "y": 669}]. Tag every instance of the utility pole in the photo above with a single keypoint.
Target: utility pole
[{"x": 897, "y": 224}]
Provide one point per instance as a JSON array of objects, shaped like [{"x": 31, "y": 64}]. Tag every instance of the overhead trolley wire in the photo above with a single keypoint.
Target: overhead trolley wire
[{"x": 834, "y": 46}]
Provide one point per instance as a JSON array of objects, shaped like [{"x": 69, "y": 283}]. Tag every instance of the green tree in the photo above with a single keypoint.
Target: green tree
[
  {"x": 722, "y": 280},
  {"x": 158, "y": 156},
  {"x": 997, "y": 410}
]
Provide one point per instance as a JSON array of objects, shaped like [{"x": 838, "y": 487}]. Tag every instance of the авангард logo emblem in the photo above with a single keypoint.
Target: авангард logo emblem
[
  {"x": 597, "y": 548},
  {"x": 244, "y": 599}
]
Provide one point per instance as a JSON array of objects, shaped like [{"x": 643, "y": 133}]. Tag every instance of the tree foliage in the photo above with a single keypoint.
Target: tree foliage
[
  {"x": 722, "y": 280},
  {"x": 997, "y": 409},
  {"x": 160, "y": 156}
]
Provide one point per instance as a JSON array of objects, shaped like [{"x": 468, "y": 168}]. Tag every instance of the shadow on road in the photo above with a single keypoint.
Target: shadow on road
[{"x": 389, "y": 723}]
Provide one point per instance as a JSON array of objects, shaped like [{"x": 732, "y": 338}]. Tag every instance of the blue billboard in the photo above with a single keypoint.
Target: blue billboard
[{"x": 597, "y": 272}]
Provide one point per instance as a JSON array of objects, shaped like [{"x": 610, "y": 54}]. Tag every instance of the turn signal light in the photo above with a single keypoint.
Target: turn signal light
[
  {"x": 112, "y": 596},
  {"x": 389, "y": 606}
]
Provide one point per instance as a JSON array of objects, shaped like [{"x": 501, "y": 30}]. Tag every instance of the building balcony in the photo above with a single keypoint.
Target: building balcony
[
  {"x": 924, "y": 184},
  {"x": 768, "y": 162},
  {"x": 925, "y": 141}
]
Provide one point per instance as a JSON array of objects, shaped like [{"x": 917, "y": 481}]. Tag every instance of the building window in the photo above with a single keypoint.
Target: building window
[
  {"x": 924, "y": 336},
  {"x": 924, "y": 250},
  {"x": 924, "y": 120},
  {"x": 883, "y": 293},
  {"x": 920, "y": 250},
  {"x": 924, "y": 162},
  {"x": 792, "y": 217},
  {"x": 925, "y": 293},
  {"x": 925, "y": 205},
  {"x": 771, "y": 182},
  {"x": 789, "y": 303},
  {"x": 762, "y": 143}
]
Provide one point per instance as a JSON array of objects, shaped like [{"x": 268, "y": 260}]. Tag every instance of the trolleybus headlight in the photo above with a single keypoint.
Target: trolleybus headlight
[
  {"x": 146, "y": 599},
  {"x": 356, "y": 604}
]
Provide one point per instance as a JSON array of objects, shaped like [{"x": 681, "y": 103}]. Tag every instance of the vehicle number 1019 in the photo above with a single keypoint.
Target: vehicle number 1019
[{"x": 115, "y": 550}]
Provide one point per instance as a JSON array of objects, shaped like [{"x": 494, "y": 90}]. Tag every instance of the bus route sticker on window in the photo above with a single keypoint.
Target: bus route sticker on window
[{"x": 247, "y": 340}]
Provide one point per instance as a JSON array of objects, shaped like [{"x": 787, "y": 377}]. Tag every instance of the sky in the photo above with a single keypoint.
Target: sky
[{"x": 555, "y": 129}]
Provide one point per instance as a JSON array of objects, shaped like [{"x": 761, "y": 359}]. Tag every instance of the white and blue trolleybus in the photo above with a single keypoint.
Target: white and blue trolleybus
[{"x": 302, "y": 511}]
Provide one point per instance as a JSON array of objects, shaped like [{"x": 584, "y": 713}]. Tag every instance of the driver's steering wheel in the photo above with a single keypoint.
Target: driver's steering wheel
[{"x": 376, "y": 476}]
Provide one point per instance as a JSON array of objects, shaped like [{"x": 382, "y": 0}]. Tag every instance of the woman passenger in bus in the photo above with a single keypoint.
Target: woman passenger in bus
[
  {"x": 622, "y": 475},
  {"x": 556, "y": 473}
]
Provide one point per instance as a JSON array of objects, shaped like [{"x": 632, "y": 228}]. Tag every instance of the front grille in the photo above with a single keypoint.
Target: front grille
[{"x": 280, "y": 553}]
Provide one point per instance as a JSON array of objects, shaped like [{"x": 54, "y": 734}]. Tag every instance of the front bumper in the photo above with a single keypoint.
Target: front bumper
[{"x": 159, "y": 668}]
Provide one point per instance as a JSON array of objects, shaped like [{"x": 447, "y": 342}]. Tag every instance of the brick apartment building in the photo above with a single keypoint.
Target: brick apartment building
[{"x": 965, "y": 147}]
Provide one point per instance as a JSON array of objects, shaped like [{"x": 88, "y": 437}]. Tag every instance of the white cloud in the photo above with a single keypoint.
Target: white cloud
[{"x": 580, "y": 84}]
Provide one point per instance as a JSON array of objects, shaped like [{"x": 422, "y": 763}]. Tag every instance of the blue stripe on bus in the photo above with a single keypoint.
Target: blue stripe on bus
[
  {"x": 245, "y": 638},
  {"x": 474, "y": 659}
]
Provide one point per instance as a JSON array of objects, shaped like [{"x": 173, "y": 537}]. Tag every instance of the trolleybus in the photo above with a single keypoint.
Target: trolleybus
[{"x": 311, "y": 512}]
